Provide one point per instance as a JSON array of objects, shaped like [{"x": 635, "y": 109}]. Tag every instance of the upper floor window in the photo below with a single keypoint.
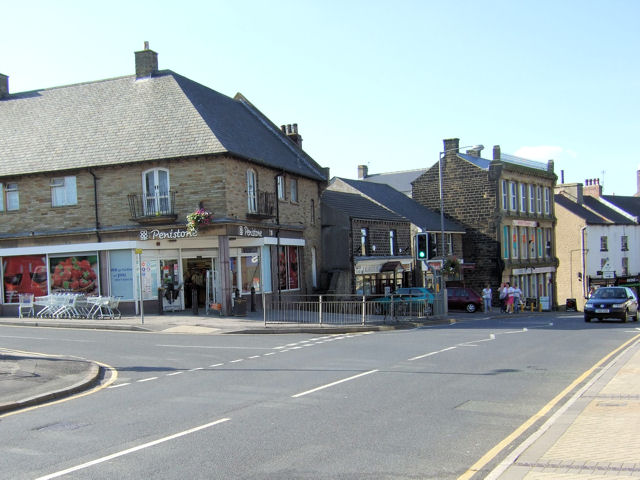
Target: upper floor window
[
  {"x": 625, "y": 266},
  {"x": 393, "y": 243},
  {"x": 63, "y": 191},
  {"x": 280, "y": 182},
  {"x": 513, "y": 193},
  {"x": 624, "y": 243},
  {"x": 155, "y": 186},
  {"x": 505, "y": 196},
  {"x": 603, "y": 244},
  {"x": 547, "y": 201},
  {"x": 313, "y": 212},
  {"x": 532, "y": 199},
  {"x": 524, "y": 242},
  {"x": 506, "y": 241},
  {"x": 364, "y": 241},
  {"x": 9, "y": 198},
  {"x": 523, "y": 197},
  {"x": 252, "y": 191},
  {"x": 293, "y": 187},
  {"x": 539, "y": 198}
]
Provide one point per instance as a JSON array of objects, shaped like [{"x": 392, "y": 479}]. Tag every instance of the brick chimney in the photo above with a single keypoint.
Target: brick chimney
[
  {"x": 496, "y": 152},
  {"x": 4, "y": 86},
  {"x": 363, "y": 172},
  {"x": 291, "y": 131},
  {"x": 475, "y": 152},
  {"x": 592, "y": 187},
  {"x": 451, "y": 146},
  {"x": 146, "y": 62}
]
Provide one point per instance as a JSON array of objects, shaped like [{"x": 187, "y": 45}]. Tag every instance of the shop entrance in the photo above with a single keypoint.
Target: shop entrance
[{"x": 195, "y": 272}]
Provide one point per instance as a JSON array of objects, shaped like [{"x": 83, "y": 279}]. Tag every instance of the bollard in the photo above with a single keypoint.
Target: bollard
[
  {"x": 194, "y": 301},
  {"x": 160, "y": 295}
]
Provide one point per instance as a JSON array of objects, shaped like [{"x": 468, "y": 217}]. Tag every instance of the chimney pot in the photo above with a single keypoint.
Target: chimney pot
[
  {"x": 496, "y": 152},
  {"x": 363, "y": 171}
]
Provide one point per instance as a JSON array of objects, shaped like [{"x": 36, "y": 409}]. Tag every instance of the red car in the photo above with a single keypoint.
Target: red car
[{"x": 463, "y": 297}]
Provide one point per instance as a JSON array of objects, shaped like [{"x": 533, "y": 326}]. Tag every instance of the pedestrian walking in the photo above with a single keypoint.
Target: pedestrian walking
[
  {"x": 510, "y": 298},
  {"x": 517, "y": 296},
  {"x": 503, "y": 297},
  {"x": 486, "y": 298}
]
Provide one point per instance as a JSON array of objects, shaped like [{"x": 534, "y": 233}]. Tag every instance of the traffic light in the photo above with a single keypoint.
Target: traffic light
[
  {"x": 433, "y": 246},
  {"x": 421, "y": 246}
]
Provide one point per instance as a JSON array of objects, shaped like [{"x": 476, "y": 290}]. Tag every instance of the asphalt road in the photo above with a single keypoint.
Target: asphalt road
[{"x": 423, "y": 403}]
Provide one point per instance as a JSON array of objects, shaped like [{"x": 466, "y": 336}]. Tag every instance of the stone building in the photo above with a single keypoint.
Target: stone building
[
  {"x": 93, "y": 173},
  {"x": 506, "y": 207},
  {"x": 597, "y": 240}
]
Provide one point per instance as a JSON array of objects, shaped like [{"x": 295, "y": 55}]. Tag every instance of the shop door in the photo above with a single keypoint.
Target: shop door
[
  {"x": 170, "y": 281},
  {"x": 195, "y": 280}
]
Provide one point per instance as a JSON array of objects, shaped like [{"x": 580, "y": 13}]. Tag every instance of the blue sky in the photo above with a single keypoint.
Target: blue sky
[{"x": 371, "y": 82}]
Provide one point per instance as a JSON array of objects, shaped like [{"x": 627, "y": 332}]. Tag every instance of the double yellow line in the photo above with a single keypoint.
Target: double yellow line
[{"x": 491, "y": 454}]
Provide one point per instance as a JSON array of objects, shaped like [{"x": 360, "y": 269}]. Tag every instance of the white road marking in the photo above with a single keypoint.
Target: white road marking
[
  {"x": 220, "y": 364},
  {"x": 131, "y": 450},
  {"x": 174, "y": 373},
  {"x": 236, "y": 361},
  {"x": 147, "y": 379},
  {"x": 255, "y": 356},
  {"x": 270, "y": 353},
  {"x": 194, "y": 369},
  {"x": 431, "y": 353},
  {"x": 119, "y": 385},
  {"x": 332, "y": 384}
]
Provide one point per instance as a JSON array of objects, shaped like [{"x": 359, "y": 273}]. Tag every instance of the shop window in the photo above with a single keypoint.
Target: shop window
[
  {"x": 505, "y": 242},
  {"x": 63, "y": 191},
  {"x": 514, "y": 242},
  {"x": 252, "y": 192},
  {"x": 540, "y": 244},
  {"x": 524, "y": 251},
  {"x": 532, "y": 242},
  {"x": 121, "y": 274},
  {"x": 24, "y": 274},
  {"x": 288, "y": 268},
  {"x": 74, "y": 273},
  {"x": 250, "y": 270}
]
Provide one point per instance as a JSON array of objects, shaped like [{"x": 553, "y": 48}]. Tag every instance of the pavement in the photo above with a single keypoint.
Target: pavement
[{"x": 593, "y": 435}]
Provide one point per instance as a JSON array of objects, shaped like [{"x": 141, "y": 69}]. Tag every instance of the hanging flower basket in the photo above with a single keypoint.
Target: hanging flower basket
[
  {"x": 451, "y": 266},
  {"x": 197, "y": 218}
]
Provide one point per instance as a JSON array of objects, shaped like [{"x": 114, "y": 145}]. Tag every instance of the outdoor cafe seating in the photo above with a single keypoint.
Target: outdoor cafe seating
[{"x": 74, "y": 305}]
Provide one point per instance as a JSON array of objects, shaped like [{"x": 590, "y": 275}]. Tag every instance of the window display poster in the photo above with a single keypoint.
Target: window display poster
[
  {"x": 24, "y": 274},
  {"x": 121, "y": 274},
  {"x": 149, "y": 278},
  {"x": 77, "y": 274},
  {"x": 293, "y": 268}
]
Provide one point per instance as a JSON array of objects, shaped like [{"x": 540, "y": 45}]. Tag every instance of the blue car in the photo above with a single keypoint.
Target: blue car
[{"x": 406, "y": 301}]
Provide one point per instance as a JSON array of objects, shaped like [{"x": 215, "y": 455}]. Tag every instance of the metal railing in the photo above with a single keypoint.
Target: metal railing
[
  {"x": 329, "y": 310},
  {"x": 264, "y": 206},
  {"x": 144, "y": 207}
]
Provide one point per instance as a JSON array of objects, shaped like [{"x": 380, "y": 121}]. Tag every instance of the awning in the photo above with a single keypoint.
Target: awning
[{"x": 391, "y": 267}]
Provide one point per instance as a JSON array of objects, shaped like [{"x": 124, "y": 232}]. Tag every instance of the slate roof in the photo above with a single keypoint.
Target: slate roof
[
  {"x": 630, "y": 205},
  {"x": 123, "y": 120},
  {"x": 356, "y": 206},
  {"x": 592, "y": 211},
  {"x": 396, "y": 201},
  {"x": 401, "y": 181}
]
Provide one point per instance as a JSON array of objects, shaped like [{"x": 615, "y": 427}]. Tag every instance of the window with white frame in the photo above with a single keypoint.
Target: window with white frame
[
  {"x": 63, "y": 191},
  {"x": 524, "y": 241},
  {"x": 624, "y": 243},
  {"x": 513, "y": 193},
  {"x": 625, "y": 266},
  {"x": 280, "y": 182},
  {"x": 603, "y": 244},
  {"x": 539, "y": 198},
  {"x": 505, "y": 196},
  {"x": 547, "y": 201},
  {"x": 9, "y": 198},
  {"x": 392, "y": 243},
  {"x": 252, "y": 192},
  {"x": 523, "y": 197},
  {"x": 514, "y": 242},
  {"x": 532, "y": 199},
  {"x": 293, "y": 189},
  {"x": 155, "y": 188}
]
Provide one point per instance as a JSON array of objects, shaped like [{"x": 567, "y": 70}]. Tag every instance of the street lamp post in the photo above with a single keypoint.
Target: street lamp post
[{"x": 442, "y": 154}]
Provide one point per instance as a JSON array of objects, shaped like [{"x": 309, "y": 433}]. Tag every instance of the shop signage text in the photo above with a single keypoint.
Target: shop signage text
[
  {"x": 172, "y": 234},
  {"x": 525, "y": 223},
  {"x": 245, "y": 231}
]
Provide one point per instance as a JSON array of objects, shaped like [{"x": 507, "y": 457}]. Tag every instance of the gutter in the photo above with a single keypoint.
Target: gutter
[
  {"x": 95, "y": 204},
  {"x": 582, "y": 254}
]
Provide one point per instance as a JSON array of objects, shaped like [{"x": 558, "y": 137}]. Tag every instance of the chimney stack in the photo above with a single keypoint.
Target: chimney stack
[
  {"x": 451, "y": 146},
  {"x": 146, "y": 62},
  {"x": 4, "y": 86},
  {"x": 592, "y": 187},
  {"x": 475, "y": 152},
  {"x": 496, "y": 152},
  {"x": 637, "y": 178},
  {"x": 291, "y": 131},
  {"x": 363, "y": 172}
]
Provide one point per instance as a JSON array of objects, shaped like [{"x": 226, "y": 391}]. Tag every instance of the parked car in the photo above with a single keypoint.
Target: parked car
[
  {"x": 406, "y": 301},
  {"x": 463, "y": 297},
  {"x": 612, "y": 302}
]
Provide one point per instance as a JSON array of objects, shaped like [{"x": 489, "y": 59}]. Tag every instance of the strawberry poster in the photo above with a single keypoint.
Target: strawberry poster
[{"x": 76, "y": 274}]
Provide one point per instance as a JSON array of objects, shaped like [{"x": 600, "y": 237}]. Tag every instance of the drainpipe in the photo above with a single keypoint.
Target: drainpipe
[
  {"x": 582, "y": 252},
  {"x": 95, "y": 203}
]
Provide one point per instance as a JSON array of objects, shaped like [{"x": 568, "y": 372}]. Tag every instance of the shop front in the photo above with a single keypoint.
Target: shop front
[
  {"x": 381, "y": 276},
  {"x": 174, "y": 269},
  {"x": 536, "y": 284}
]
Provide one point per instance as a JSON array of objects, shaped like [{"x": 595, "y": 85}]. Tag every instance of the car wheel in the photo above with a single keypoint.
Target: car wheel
[
  {"x": 471, "y": 307},
  {"x": 625, "y": 316}
]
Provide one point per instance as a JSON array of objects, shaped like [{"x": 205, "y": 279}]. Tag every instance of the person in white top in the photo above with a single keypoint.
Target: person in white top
[
  {"x": 486, "y": 298},
  {"x": 510, "y": 297},
  {"x": 517, "y": 294}
]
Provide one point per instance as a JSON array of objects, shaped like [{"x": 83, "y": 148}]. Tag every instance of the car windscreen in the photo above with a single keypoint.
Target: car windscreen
[{"x": 610, "y": 293}]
